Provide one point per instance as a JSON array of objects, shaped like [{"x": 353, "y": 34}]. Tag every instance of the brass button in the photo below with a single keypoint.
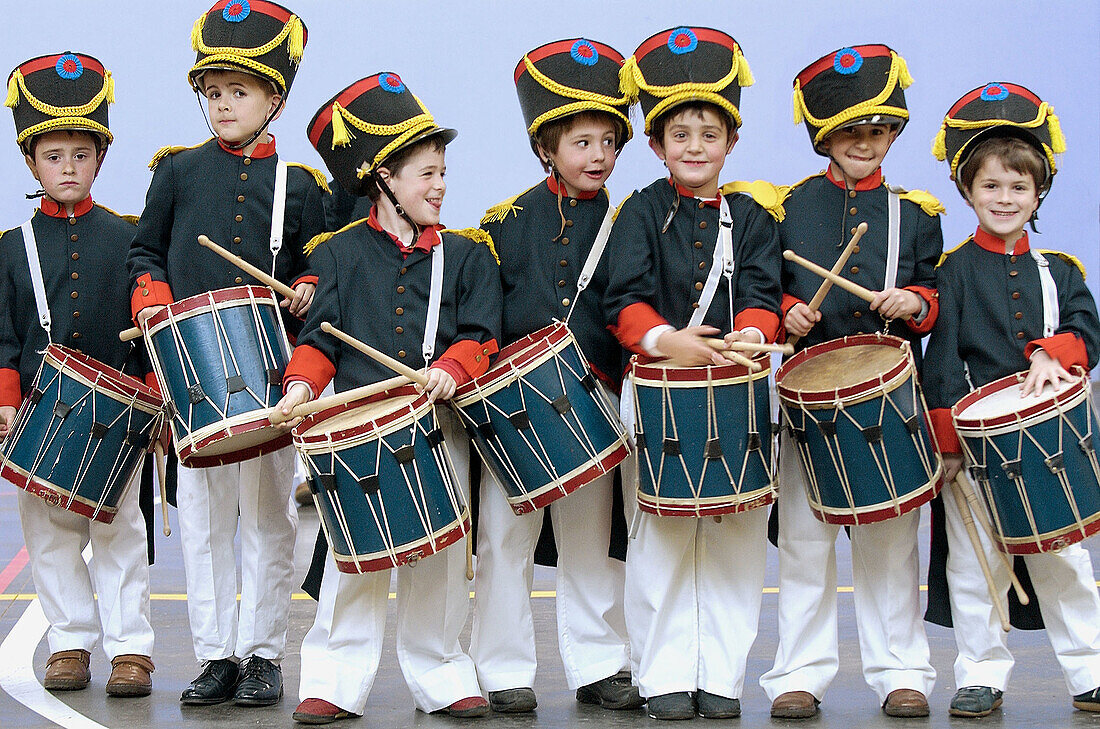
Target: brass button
[
  {"x": 572, "y": 203},
  {"x": 698, "y": 285},
  {"x": 1012, "y": 259},
  {"x": 140, "y": 283},
  {"x": 702, "y": 264},
  {"x": 565, "y": 241},
  {"x": 400, "y": 289},
  {"x": 76, "y": 315},
  {"x": 144, "y": 292},
  {"x": 74, "y": 295},
  {"x": 248, "y": 160},
  {"x": 851, "y": 193},
  {"x": 698, "y": 244},
  {"x": 1019, "y": 315},
  {"x": 1012, "y": 273},
  {"x": 561, "y": 283},
  {"x": 238, "y": 218},
  {"x": 854, "y": 269},
  {"x": 568, "y": 223},
  {"x": 76, "y": 256},
  {"x": 399, "y": 311},
  {"x": 857, "y": 314},
  {"x": 76, "y": 335},
  {"x": 401, "y": 353},
  {"x": 565, "y": 302},
  {"x": 1015, "y": 294},
  {"x": 403, "y": 269},
  {"x": 399, "y": 330},
  {"x": 852, "y": 231},
  {"x": 1019, "y": 335},
  {"x": 240, "y": 198},
  {"x": 703, "y": 224},
  {"x": 702, "y": 204},
  {"x": 236, "y": 239},
  {"x": 853, "y": 210},
  {"x": 855, "y": 248},
  {"x": 477, "y": 357},
  {"x": 72, "y": 221},
  {"x": 73, "y": 237},
  {"x": 74, "y": 275},
  {"x": 244, "y": 175},
  {"x": 238, "y": 280},
  {"x": 563, "y": 263},
  {"x": 695, "y": 305}
]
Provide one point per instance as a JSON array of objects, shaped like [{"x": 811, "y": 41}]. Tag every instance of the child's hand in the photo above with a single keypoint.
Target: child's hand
[
  {"x": 303, "y": 297},
  {"x": 1044, "y": 369},
  {"x": 800, "y": 320},
  {"x": 147, "y": 313},
  {"x": 298, "y": 393},
  {"x": 896, "y": 303},
  {"x": 752, "y": 335},
  {"x": 7, "y": 415},
  {"x": 952, "y": 464},
  {"x": 441, "y": 386},
  {"x": 686, "y": 347}
]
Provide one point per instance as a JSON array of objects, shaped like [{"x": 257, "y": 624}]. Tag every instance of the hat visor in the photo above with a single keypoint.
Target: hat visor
[
  {"x": 448, "y": 136},
  {"x": 196, "y": 73}
]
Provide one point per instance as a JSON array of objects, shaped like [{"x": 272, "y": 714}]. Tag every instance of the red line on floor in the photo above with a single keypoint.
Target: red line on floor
[{"x": 13, "y": 568}]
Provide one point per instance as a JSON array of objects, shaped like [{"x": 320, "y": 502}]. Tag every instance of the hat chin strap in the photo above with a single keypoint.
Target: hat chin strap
[
  {"x": 396, "y": 205},
  {"x": 255, "y": 136}
]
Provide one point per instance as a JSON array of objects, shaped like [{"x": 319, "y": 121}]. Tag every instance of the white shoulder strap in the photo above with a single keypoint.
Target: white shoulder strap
[
  {"x": 893, "y": 239},
  {"x": 35, "y": 265},
  {"x": 278, "y": 212},
  {"x": 594, "y": 256},
  {"x": 1051, "y": 314},
  {"x": 435, "y": 297},
  {"x": 721, "y": 265}
]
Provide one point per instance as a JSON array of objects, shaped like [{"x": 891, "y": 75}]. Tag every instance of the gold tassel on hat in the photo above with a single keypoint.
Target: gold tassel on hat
[
  {"x": 798, "y": 103},
  {"x": 939, "y": 144},
  {"x": 744, "y": 73},
  {"x": 628, "y": 85},
  {"x": 13, "y": 89},
  {"x": 904, "y": 78},
  {"x": 196, "y": 32},
  {"x": 341, "y": 137},
  {"x": 109, "y": 80},
  {"x": 1057, "y": 139},
  {"x": 297, "y": 39}
]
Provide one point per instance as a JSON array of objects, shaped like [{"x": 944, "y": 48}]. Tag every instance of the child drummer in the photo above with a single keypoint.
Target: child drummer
[
  {"x": 60, "y": 107},
  {"x": 693, "y": 586},
  {"x": 853, "y": 103},
  {"x": 376, "y": 277},
  {"x": 1000, "y": 141},
  {"x": 225, "y": 188},
  {"x": 577, "y": 121}
]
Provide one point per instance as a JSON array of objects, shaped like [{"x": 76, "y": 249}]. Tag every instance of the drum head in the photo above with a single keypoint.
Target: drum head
[
  {"x": 1007, "y": 401},
  {"x": 346, "y": 420},
  {"x": 843, "y": 367}
]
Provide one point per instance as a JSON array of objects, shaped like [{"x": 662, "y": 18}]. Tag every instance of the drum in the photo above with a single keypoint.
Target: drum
[
  {"x": 382, "y": 480},
  {"x": 540, "y": 420},
  {"x": 80, "y": 435},
  {"x": 704, "y": 437},
  {"x": 1034, "y": 461},
  {"x": 219, "y": 358},
  {"x": 855, "y": 412}
]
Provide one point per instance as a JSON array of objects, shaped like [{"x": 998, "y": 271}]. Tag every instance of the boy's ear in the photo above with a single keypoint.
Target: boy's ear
[
  {"x": 733, "y": 140},
  {"x": 544, "y": 156},
  {"x": 965, "y": 194},
  {"x": 31, "y": 166},
  {"x": 276, "y": 106},
  {"x": 658, "y": 149}
]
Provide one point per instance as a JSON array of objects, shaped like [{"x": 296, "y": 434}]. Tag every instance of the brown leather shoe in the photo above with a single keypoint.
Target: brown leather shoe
[
  {"x": 130, "y": 676},
  {"x": 905, "y": 703},
  {"x": 302, "y": 495},
  {"x": 68, "y": 671},
  {"x": 794, "y": 705}
]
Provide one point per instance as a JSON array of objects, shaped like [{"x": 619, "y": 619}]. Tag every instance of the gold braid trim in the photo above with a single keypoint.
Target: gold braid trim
[
  {"x": 320, "y": 238},
  {"x": 576, "y": 107},
  {"x": 500, "y": 212},
  {"x": 619, "y": 209},
  {"x": 1045, "y": 115},
  {"x": 928, "y": 202},
  {"x": 318, "y": 176},
  {"x": 568, "y": 91},
  {"x": 258, "y": 68},
  {"x": 65, "y": 123},
  {"x": 406, "y": 130},
  {"x": 165, "y": 151},
  {"x": 131, "y": 219},
  {"x": 292, "y": 29},
  {"x": 18, "y": 84},
  {"x": 477, "y": 235},
  {"x": 768, "y": 196},
  {"x": 945, "y": 254},
  {"x": 1070, "y": 259}
]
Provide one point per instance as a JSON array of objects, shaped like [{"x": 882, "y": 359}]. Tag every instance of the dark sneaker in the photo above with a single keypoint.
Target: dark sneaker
[
  {"x": 671, "y": 707},
  {"x": 1088, "y": 701},
  {"x": 261, "y": 683},
  {"x": 975, "y": 701},
  {"x": 713, "y": 706},
  {"x": 215, "y": 684},
  {"x": 614, "y": 692},
  {"x": 319, "y": 711},
  {"x": 513, "y": 701}
]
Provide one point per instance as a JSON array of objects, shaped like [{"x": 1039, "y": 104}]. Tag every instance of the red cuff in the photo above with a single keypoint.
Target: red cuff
[
  {"x": 304, "y": 279},
  {"x": 11, "y": 392},
  {"x": 633, "y": 322},
  {"x": 764, "y": 320},
  {"x": 944, "y": 428},
  {"x": 472, "y": 358},
  {"x": 149, "y": 293},
  {"x": 932, "y": 298},
  {"x": 788, "y": 303},
  {"x": 311, "y": 366},
  {"x": 1067, "y": 348}
]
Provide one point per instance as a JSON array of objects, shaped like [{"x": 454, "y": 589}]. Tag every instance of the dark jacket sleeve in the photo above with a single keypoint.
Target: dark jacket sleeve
[
  {"x": 632, "y": 276},
  {"x": 1077, "y": 309},
  {"x": 149, "y": 249},
  {"x": 11, "y": 347},
  {"x": 944, "y": 371},
  {"x": 759, "y": 262},
  {"x": 310, "y": 224}
]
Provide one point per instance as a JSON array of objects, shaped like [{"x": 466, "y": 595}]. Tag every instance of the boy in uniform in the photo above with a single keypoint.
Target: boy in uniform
[
  {"x": 1027, "y": 309},
  {"x": 577, "y": 121},
  {"x": 226, "y": 188},
  {"x": 853, "y": 103},
  {"x": 72, "y": 247},
  {"x": 693, "y": 586},
  {"x": 378, "y": 279}
]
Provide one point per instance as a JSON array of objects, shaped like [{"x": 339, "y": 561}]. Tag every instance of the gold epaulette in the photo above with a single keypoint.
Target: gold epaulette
[
  {"x": 165, "y": 151},
  {"x": 477, "y": 235},
  {"x": 131, "y": 219},
  {"x": 768, "y": 196},
  {"x": 803, "y": 181},
  {"x": 616, "y": 215},
  {"x": 318, "y": 176},
  {"x": 945, "y": 254},
  {"x": 500, "y": 212},
  {"x": 1070, "y": 259},
  {"x": 320, "y": 238},
  {"x": 927, "y": 201}
]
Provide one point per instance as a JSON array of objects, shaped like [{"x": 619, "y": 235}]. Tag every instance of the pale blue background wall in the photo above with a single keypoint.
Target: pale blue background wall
[{"x": 459, "y": 56}]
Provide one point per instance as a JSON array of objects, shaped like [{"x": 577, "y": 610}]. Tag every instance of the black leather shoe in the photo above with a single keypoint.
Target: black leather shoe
[
  {"x": 214, "y": 685},
  {"x": 671, "y": 707},
  {"x": 614, "y": 692},
  {"x": 713, "y": 706},
  {"x": 261, "y": 683}
]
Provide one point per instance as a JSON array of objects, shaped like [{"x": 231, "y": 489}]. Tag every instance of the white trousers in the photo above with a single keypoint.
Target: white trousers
[
  {"x": 1065, "y": 586},
  {"x": 591, "y": 627},
  {"x": 341, "y": 652},
  {"x": 692, "y": 598},
  {"x": 886, "y": 587},
  {"x": 254, "y": 495},
  {"x": 118, "y": 573}
]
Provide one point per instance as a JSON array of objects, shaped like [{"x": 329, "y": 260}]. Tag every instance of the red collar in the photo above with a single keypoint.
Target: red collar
[
  {"x": 429, "y": 237},
  {"x": 556, "y": 188},
  {"x": 264, "y": 149},
  {"x": 993, "y": 244},
  {"x": 715, "y": 202},
  {"x": 870, "y": 182},
  {"x": 57, "y": 210}
]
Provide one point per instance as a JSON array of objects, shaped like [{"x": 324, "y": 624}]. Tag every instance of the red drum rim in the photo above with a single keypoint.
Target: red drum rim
[
  {"x": 880, "y": 512},
  {"x": 191, "y": 455},
  {"x": 220, "y": 296},
  {"x": 688, "y": 508},
  {"x": 98, "y": 373},
  {"x": 1047, "y": 404},
  {"x": 319, "y": 417},
  {"x": 1050, "y": 541},
  {"x": 862, "y": 388},
  {"x": 645, "y": 368},
  {"x": 521, "y": 352},
  {"x": 349, "y": 564},
  {"x": 54, "y": 496},
  {"x": 551, "y": 492}
]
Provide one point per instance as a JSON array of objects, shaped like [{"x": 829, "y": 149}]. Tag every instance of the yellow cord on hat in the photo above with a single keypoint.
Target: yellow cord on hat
[
  {"x": 1045, "y": 115},
  {"x": 586, "y": 100},
  {"x": 73, "y": 122},
  {"x": 17, "y": 84},
  {"x": 406, "y": 130},
  {"x": 258, "y": 68},
  {"x": 293, "y": 30}
]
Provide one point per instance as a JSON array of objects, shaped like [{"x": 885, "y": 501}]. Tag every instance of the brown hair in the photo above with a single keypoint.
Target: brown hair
[
  {"x": 658, "y": 125},
  {"x": 548, "y": 136},
  {"x": 1012, "y": 152},
  {"x": 397, "y": 160},
  {"x": 30, "y": 145}
]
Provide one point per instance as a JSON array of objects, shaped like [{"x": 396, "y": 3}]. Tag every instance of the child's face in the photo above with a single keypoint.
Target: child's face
[
  {"x": 585, "y": 156},
  {"x": 858, "y": 151},
  {"x": 65, "y": 164},
  {"x": 1003, "y": 199},
  {"x": 694, "y": 148},
  {"x": 419, "y": 186},
  {"x": 238, "y": 103}
]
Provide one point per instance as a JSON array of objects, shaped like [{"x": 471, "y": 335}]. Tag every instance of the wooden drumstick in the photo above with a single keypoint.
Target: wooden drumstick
[
  {"x": 972, "y": 532},
  {"x": 324, "y": 403},
  {"x": 278, "y": 286},
  {"x": 127, "y": 335},
  {"x": 722, "y": 346},
  {"x": 815, "y": 302},
  {"x": 158, "y": 451},
  {"x": 978, "y": 511},
  {"x": 853, "y": 288},
  {"x": 380, "y": 357}
]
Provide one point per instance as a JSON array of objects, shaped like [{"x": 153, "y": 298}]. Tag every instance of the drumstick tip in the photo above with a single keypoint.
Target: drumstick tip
[
  {"x": 861, "y": 228},
  {"x": 326, "y": 327},
  {"x": 789, "y": 255}
]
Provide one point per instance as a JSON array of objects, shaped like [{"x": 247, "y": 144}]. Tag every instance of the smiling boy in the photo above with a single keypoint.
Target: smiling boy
[
  {"x": 577, "y": 124},
  {"x": 226, "y": 189}
]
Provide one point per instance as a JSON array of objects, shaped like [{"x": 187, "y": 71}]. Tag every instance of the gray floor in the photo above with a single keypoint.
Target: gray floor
[{"x": 1036, "y": 697}]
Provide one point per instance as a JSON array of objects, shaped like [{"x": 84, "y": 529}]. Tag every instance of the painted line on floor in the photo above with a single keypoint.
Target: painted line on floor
[{"x": 14, "y": 567}]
